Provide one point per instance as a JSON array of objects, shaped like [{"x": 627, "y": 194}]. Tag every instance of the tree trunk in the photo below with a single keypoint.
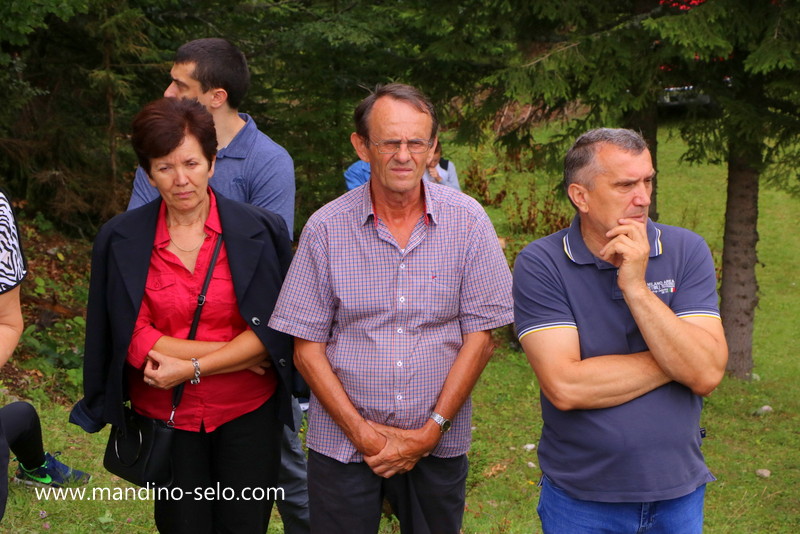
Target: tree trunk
[
  {"x": 112, "y": 118},
  {"x": 739, "y": 286},
  {"x": 645, "y": 121}
]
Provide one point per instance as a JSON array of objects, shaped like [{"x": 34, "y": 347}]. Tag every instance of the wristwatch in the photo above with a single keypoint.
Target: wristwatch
[{"x": 444, "y": 424}]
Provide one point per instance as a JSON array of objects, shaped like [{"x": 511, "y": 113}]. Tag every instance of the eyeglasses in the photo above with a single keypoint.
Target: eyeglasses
[{"x": 415, "y": 146}]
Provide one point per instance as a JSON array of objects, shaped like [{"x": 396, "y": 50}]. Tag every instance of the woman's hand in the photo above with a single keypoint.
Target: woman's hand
[
  {"x": 165, "y": 372},
  {"x": 261, "y": 368}
]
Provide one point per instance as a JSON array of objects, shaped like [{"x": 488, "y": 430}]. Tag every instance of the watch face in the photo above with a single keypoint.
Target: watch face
[{"x": 446, "y": 425}]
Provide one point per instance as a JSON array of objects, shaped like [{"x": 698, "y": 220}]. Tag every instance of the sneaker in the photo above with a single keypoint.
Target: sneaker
[
  {"x": 304, "y": 402},
  {"x": 51, "y": 473}
]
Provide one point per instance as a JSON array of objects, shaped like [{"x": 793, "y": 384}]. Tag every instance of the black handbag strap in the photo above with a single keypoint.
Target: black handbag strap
[
  {"x": 201, "y": 298},
  {"x": 177, "y": 393}
]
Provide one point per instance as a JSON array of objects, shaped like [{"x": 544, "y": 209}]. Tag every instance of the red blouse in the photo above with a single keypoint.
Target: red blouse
[{"x": 168, "y": 306}]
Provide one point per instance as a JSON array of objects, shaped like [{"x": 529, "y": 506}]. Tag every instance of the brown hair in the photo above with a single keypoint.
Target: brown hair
[
  {"x": 162, "y": 125},
  {"x": 398, "y": 91}
]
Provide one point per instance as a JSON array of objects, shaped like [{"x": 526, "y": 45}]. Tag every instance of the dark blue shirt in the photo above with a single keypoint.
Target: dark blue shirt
[{"x": 647, "y": 449}]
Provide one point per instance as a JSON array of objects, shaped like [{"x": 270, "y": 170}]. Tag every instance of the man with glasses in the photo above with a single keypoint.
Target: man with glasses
[{"x": 391, "y": 297}]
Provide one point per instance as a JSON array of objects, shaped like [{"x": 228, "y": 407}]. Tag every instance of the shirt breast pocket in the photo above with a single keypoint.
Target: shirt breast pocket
[
  {"x": 442, "y": 296},
  {"x": 221, "y": 290},
  {"x": 160, "y": 290}
]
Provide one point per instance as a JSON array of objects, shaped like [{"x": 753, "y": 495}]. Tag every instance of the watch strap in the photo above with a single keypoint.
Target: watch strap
[{"x": 443, "y": 422}]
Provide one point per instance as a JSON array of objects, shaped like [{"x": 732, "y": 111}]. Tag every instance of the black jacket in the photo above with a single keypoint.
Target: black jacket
[{"x": 259, "y": 253}]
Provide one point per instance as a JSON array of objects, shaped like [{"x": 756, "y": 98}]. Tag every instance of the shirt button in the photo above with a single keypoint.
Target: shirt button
[
  {"x": 402, "y": 299},
  {"x": 282, "y": 362},
  {"x": 402, "y": 265},
  {"x": 399, "y": 397},
  {"x": 399, "y": 330},
  {"x": 399, "y": 364},
  {"x": 256, "y": 321}
]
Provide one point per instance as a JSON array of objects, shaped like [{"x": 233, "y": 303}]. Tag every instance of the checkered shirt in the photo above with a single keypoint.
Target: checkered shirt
[{"x": 392, "y": 318}]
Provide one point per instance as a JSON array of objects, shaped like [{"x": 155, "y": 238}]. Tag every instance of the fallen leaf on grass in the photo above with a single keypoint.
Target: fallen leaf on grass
[{"x": 495, "y": 469}]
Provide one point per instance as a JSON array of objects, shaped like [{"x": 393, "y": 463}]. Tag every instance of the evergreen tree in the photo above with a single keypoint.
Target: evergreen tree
[
  {"x": 605, "y": 64},
  {"x": 77, "y": 75},
  {"x": 748, "y": 60},
  {"x": 85, "y": 75},
  {"x": 19, "y": 19}
]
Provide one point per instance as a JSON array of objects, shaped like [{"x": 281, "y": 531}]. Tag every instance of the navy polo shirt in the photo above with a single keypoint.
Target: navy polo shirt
[{"x": 647, "y": 449}]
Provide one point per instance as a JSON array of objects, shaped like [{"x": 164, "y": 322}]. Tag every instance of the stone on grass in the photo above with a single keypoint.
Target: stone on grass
[
  {"x": 763, "y": 473},
  {"x": 764, "y": 410}
]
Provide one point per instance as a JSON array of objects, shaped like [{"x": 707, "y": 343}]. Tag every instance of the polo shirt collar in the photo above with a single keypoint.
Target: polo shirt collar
[
  {"x": 240, "y": 144},
  {"x": 576, "y": 250},
  {"x": 368, "y": 210}
]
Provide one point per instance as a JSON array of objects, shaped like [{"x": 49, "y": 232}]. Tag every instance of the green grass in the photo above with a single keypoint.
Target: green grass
[
  {"x": 73, "y": 516},
  {"x": 502, "y": 491},
  {"x": 85, "y": 452}
]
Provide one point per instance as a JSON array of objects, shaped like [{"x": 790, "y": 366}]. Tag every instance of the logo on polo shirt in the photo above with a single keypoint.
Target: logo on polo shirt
[{"x": 664, "y": 286}]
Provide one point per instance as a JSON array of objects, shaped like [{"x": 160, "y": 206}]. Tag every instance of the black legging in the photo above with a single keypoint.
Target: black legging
[
  {"x": 23, "y": 432},
  {"x": 20, "y": 431}
]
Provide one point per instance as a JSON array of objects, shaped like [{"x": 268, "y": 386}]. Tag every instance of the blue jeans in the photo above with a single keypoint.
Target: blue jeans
[{"x": 561, "y": 514}]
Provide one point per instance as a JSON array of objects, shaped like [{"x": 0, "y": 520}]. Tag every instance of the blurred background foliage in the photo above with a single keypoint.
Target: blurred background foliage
[{"x": 522, "y": 77}]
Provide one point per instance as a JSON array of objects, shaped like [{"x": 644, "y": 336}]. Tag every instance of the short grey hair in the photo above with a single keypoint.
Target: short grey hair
[{"x": 580, "y": 165}]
